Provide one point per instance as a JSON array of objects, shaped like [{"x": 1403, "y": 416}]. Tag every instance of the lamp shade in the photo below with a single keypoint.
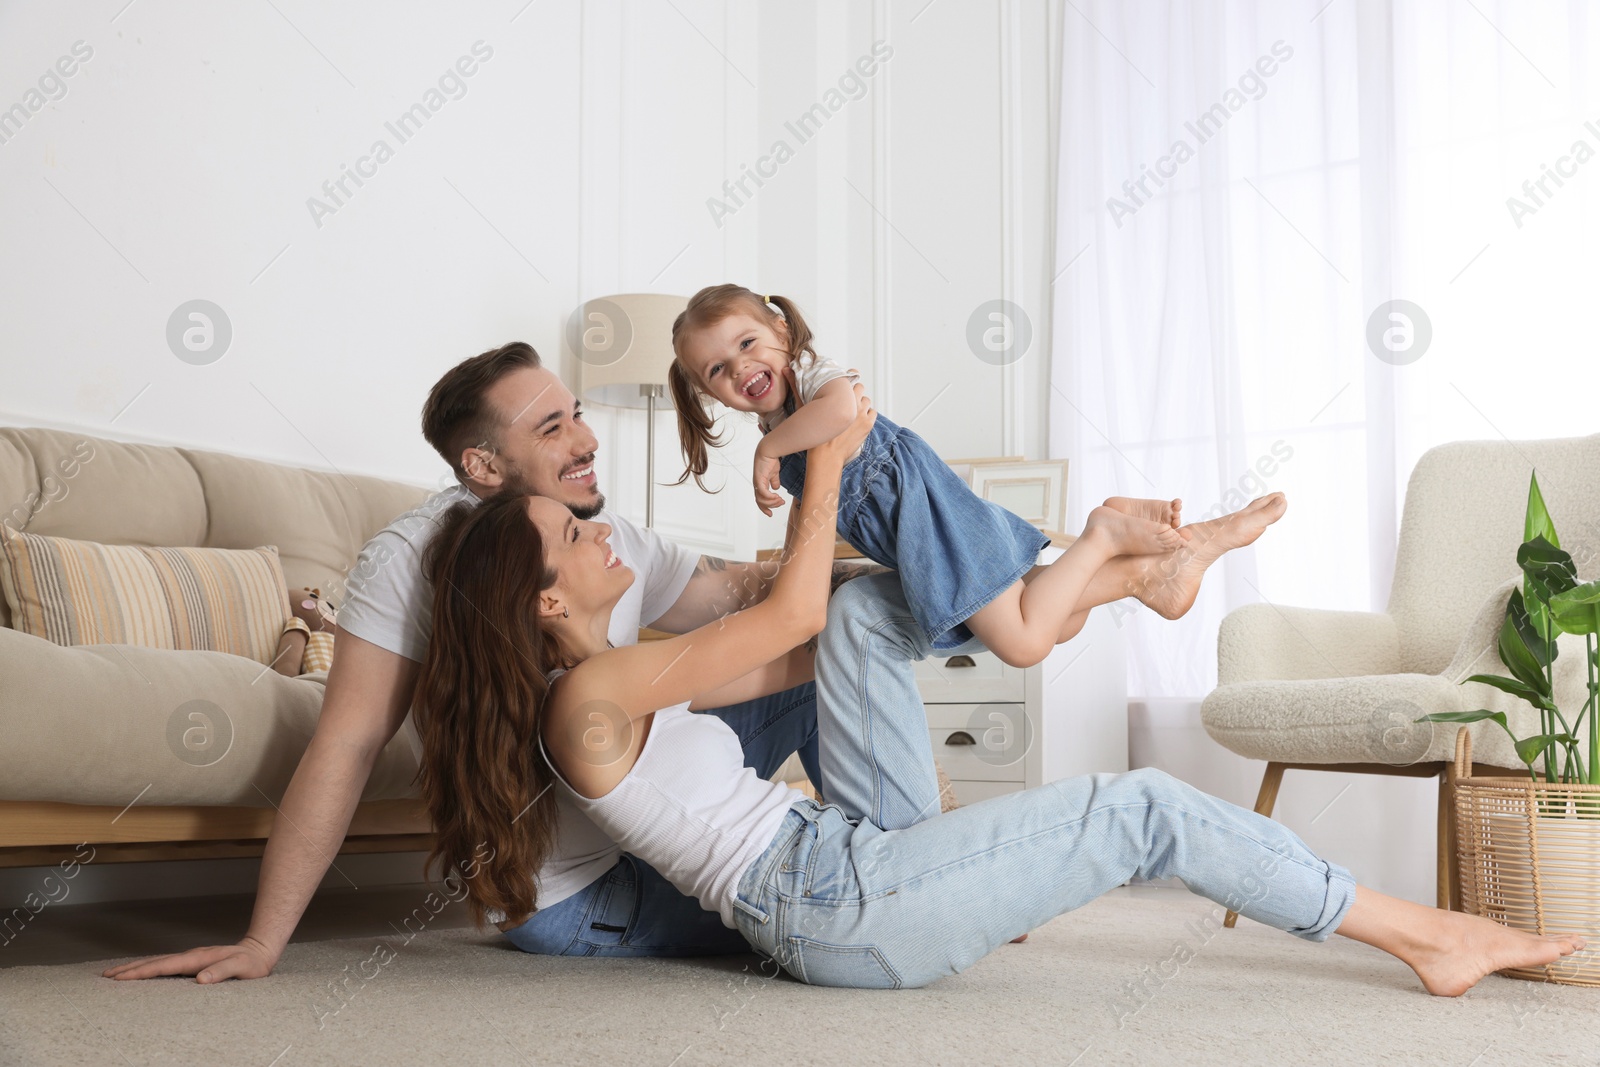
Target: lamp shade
[{"x": 623, "y": 342}]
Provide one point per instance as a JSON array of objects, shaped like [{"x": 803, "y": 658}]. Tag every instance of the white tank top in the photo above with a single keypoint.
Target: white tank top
[{"x": 690, "y": 808}]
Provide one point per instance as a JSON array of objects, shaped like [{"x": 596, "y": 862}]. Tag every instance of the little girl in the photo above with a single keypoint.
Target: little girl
[{"x": 963, "y": 561}]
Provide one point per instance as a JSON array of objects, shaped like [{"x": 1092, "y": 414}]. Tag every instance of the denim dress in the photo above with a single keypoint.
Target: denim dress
[{"x": 902, "y": 506}]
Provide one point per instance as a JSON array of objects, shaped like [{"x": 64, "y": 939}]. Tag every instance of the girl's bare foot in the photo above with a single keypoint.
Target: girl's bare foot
[
  {"x": 1168, "y": 586},
  {"x": 1126, "y": 535},
  {"x": 1163, "y": 511}
]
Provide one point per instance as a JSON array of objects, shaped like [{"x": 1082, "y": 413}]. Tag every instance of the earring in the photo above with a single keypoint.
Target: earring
[{"x": 566, "y": 612}]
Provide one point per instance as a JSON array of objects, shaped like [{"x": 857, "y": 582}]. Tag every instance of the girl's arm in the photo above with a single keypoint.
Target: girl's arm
[
  {"x": 823, "y": 419},
  {"x": 641, "y": 679}
]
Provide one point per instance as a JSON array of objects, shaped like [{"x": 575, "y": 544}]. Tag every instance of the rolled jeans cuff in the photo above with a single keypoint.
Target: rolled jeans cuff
[{"x": 1336, "y": 905}]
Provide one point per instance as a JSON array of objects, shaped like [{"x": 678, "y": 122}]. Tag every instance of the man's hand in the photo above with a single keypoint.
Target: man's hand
[
  {"x": 214, "y": 963},
  {"x": 368, "y": 697},
  {"x": 766, "y": 482}
]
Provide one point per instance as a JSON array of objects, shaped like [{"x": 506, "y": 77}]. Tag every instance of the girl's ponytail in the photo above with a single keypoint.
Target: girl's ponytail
[
  {"x": 799, "y": 332},
  {"x": 695, "y": 424}
]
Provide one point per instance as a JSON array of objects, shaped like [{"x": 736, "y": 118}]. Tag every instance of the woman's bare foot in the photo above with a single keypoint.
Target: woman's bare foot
[
  {"x": 1163, "y": 511},
  {"x": 1168, "y": 586},
  {"x": 1465, "y": 948},
  {"x": 1449, "y": 951},
  {"x": 1126, "y": 535}
]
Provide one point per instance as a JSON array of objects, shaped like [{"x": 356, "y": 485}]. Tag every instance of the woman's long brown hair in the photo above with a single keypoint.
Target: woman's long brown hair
[
  {"x": 479, "y": 701},
  {"x": 707, "y": 308}
]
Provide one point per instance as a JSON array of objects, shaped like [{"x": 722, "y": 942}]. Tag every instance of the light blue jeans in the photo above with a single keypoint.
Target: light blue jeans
[{"x": 876, "y": 889}]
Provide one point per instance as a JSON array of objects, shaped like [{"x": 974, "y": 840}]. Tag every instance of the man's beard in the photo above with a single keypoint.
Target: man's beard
[
  {"x": 517, "y": 484},
  {"x": 589, "y": 511}
]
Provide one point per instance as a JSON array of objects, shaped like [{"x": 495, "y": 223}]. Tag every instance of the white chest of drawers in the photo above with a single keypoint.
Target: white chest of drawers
[{"x": 997, "y": 729}]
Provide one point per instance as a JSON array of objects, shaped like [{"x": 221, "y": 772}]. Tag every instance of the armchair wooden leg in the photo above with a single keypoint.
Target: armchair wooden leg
[
  {"x": 1266, "y": 800},
  {"x": 1447, "y": 886}
]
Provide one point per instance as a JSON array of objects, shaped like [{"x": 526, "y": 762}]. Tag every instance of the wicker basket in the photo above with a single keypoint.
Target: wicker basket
[{"x": 1529, "y": 855}]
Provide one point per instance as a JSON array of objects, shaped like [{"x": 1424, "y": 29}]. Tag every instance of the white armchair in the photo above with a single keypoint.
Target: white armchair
[{"x": 1307, "y": 689}]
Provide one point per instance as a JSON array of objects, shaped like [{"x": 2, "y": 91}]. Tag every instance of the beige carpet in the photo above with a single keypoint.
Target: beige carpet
[{"x": 1226, "y": 997}]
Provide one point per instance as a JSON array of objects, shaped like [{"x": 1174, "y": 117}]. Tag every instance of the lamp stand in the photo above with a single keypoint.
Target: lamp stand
[{"x": 650, "y": 392}]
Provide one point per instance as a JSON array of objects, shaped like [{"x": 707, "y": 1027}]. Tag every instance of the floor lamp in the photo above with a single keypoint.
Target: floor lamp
[{"x": 624, "y": 347}]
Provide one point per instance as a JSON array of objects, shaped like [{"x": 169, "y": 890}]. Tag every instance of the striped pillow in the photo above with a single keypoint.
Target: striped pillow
[{"x": 82, "y": 593}]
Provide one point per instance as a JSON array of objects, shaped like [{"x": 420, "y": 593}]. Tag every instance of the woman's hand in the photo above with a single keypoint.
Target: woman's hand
[
  {"x": 766, "y": 482},
  {"x": 248, "y": 959}
]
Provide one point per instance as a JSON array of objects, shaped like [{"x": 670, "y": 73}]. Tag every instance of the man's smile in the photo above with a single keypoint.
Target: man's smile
[{"x": 582, "y": 475}]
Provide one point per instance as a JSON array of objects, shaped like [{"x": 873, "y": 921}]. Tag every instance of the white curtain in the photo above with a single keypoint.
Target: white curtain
[
  {"x": 1303, "y": 164},
  {"x": 1210, "y": 330}
]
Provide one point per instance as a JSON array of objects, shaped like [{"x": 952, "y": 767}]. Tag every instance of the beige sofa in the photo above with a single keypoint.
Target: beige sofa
[{"x": 91, "y": 751}]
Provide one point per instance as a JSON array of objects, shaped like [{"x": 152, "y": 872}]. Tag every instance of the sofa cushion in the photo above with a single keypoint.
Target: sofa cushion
[
  {"x": 82, "y": 593},
  {"x": 318, "y": 520},
  {"x": 1370, "y": 719},
  {"x": 71, "y": 485},
  {"x": 106, "y": 724}
]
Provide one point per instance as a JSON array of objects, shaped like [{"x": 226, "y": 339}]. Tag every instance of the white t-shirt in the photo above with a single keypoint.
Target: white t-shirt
[
  {"x": 389, "y": 603},
  {"x": 690, "y": 808}
]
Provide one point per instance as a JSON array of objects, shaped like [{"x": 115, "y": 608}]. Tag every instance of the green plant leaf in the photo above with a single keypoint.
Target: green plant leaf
[
  {"x": 1528, "y": 748},
  {"x": 1537, "y": 634},
  {"x": 1577, "y": 611},
  {"x": 1539, "y": 619},
  {"x": 1537, "y": 521},
  {"x": 1467, "y": 716},
  {"x": 1512, "y": 686},
  {"x": 1547, "y": 568},
  {"x": 1549, "y": 601},
  {"x": 1538, "y": 525},
  {"x": 1514, "y": 650}
]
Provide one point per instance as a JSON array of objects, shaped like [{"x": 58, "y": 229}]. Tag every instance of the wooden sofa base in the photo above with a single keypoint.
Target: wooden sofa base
[
  {"x": 41, "y": 833},
  {"x": 1447, "y": 891}
]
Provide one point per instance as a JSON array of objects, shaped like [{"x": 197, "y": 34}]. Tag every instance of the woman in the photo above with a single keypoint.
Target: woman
[{"x": 521, "y": 695}]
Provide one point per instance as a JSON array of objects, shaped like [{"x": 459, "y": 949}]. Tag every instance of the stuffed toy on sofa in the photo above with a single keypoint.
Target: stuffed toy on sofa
[{"x": 308, "y": 635}]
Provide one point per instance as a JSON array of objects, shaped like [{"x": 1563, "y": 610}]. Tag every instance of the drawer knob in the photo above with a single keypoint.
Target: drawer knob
[
  {"x": 960, "y": 661},
  {"x": 961, "y": 737}
]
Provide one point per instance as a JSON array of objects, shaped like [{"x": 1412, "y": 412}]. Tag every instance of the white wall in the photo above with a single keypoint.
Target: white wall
[
  {"x": 925, "y": 196},
  {"x": 179, "y": 160},
  {"x": 179, "y": 163}
]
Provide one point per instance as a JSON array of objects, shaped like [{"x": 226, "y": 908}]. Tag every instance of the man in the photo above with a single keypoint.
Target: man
[{"x": 504, "y": 422}]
